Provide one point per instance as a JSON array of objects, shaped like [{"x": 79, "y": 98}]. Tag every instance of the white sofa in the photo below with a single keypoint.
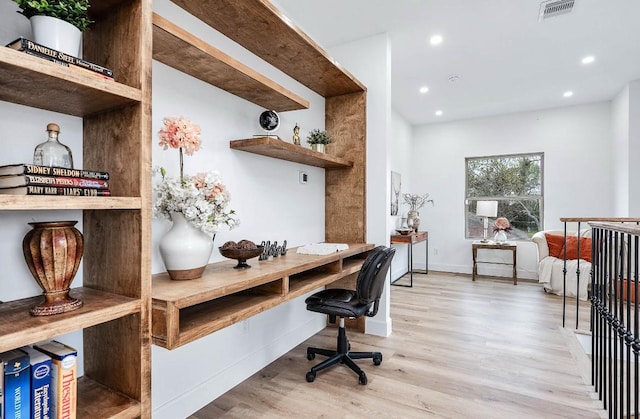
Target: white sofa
[{"x": 550, "y": 269}]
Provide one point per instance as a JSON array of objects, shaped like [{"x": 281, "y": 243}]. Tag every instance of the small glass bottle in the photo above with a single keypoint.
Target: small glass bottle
[{"x": 52, "y": 152}]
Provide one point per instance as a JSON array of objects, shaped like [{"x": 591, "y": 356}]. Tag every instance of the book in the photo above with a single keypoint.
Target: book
[
  {"x": 16, "y": 403},
  {"x": 12, "y": 181},
  {"x": 67, "y": 65},
  {"x": 64, "y": 380},
  {"x": 26, "y": 45},
  {"x": 40, "y": 376},
  {"x": 34, "y": 169},
  {"x": 54, "y": 190}
]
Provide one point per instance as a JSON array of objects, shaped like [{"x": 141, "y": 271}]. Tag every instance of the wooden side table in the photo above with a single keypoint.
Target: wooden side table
[
  {"x": 494, "y": 246},
  {"x": 411, "y": 239}
]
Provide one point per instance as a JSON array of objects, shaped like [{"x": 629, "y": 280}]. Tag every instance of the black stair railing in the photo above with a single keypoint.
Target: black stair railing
[{"x": 615, "y": 336}]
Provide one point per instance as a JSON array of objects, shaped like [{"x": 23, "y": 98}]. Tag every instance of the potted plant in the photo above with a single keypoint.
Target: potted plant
[
  {"x": 57, "y": 24},
  {"x": 318, "y": 139}
]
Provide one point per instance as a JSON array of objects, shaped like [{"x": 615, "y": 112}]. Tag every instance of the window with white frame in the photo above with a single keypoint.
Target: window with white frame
[{"x": 515, "y": 181}]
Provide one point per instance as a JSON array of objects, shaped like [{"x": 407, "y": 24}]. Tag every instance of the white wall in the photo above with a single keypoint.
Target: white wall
[
  {"x": 620, "y": 153},
  {"x": 369, "y": 60},
  {"x": 399, "y": 152},
  {"x": 576, "y": 142},
  {"x": 634, "y": 148}
]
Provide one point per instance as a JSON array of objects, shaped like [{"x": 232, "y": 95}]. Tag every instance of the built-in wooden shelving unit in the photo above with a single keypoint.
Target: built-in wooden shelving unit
[
  {"x": 181, "y": 50},
  {"x": 276, "y": 148},
  {"x": 184, "y": 312},
  {"x": 187, "y": 311},
  {"x": 116, "y": 133}
]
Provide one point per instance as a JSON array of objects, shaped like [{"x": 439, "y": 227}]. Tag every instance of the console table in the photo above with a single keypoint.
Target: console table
[
  {"x": 184, "y": 311},
  {"x": 493, "y": 246},
  {"x": 411, "y": 239}
]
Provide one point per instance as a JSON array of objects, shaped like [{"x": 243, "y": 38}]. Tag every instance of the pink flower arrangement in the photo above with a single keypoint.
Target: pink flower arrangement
[
  {"x": 502, "y": 224},
  {"x": 182, "y": 134},
  {"x": 202, "y": 199}
]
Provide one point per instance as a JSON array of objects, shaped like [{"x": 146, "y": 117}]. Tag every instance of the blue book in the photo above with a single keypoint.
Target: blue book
[
  {"x": 64, "y": 381},
  {"x": 16, "y": 384},
  {"x": 40, "y": 374}
]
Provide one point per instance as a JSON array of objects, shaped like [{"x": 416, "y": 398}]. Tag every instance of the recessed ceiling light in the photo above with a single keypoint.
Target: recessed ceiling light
[
  {"x": 588, "y": 59},
  {"x": 435, "y": 40},
  {"x": 424, "y": 89},
  {"x": 439, "y": 113},
  {"x": 568, "y": 93}
]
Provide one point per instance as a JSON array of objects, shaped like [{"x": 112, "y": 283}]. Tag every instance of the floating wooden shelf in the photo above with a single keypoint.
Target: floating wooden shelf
[
  {"x": 273, "y": 147},
  {"x": 186, "y": 311},
  {"x": 44, "y": 202},
  {"x": 19, "y": 328},
  {"x": 179, "y": 49},
  {"x": 262, "y": 29},
  {"x": 36, "y": 82}
]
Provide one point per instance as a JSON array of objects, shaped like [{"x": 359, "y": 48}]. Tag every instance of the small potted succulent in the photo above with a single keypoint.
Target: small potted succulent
[
  {"x": 57, "y": 24},
  {"x": 318, "y": 139}
]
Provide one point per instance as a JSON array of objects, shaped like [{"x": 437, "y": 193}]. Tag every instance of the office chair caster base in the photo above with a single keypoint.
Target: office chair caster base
[
  {"x": 311, "y": 376},
  {"x": 377, "y": 360},
  {"x": 362, "y": 378}
]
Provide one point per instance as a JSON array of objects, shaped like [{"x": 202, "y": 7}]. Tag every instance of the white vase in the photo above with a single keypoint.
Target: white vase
[
  {"x": 413, "y": 219},
  {"x": 56, "y": 34},
  {"x": 185, "y": 249},
  {"x": 500, "y": 237}
]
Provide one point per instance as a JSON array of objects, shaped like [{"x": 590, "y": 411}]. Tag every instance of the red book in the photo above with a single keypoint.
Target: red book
[{"x": 13, "y": 181}]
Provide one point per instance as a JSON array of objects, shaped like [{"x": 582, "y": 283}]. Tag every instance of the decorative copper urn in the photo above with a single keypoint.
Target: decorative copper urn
[{"x": 53, "y": 251}]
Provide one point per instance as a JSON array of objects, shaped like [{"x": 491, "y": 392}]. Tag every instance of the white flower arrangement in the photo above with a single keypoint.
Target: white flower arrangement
[{"x": 202, "y": 199}]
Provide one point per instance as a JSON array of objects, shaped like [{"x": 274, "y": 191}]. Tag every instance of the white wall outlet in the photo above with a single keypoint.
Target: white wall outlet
[{"x": 303, "y": 178}]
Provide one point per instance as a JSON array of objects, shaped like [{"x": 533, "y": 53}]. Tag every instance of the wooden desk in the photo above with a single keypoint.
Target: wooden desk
[
  {"x": 411, "y": 239},
  {"x": 183, "y": 311},
  {"x": 508, "y": 246}
]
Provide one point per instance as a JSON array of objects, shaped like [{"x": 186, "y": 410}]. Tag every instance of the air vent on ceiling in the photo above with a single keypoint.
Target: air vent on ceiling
[{"x": 551, "y": 8}]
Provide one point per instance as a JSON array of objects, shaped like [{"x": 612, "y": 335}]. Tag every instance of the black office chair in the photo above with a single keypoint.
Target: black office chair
[{"x": 343, "y": 303}]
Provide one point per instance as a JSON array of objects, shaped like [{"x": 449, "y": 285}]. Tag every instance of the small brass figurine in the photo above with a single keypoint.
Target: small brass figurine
[{"x": 296, "y": 134}]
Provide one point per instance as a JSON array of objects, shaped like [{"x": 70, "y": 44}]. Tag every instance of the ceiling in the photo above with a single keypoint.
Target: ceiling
[{"x": 505, "y": 59}]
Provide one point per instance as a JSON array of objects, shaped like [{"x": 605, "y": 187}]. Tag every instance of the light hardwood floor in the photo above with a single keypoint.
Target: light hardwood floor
[{"x": 459, "y": 349}]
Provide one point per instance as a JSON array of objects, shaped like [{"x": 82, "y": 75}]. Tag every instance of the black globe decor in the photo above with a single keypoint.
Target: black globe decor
[{"x": 269, "y": 121}]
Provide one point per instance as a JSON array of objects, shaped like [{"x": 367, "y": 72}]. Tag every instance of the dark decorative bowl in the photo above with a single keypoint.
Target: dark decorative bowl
[
  {"x": 241, "y": 255},
  {"x": 404, "y": 231}
]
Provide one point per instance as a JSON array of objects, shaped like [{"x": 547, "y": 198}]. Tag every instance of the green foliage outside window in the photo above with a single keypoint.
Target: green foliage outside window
[{"x": 515, "y": 181}]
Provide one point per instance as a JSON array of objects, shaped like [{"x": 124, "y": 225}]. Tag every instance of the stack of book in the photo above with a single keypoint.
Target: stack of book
[
  {"x": 37, "y": 50},
  {"x": 31, "y": 179},
  {"x": 39, "y": 382}
]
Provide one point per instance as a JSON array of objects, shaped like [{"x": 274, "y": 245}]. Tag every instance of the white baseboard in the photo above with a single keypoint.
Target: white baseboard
[
  {"x": 486, "y": 270},
  {"x": 377, "y": 327}
]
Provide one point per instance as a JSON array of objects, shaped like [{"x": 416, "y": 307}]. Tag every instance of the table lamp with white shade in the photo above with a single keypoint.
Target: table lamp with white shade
[{"x": 486, "y": 209}]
